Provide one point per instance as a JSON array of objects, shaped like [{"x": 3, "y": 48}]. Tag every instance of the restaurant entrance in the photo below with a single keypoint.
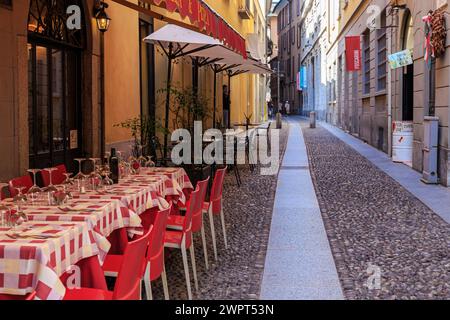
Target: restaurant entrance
[{"x": 54, "y": 81}]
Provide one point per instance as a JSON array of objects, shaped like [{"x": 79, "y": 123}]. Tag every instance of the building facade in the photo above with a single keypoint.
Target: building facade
[
  {"x": 313, "y": 56},
  {"x": 289, "y": 45},
  {"x": 365, "y": 103},
  {"x": 61, "y": 97}
]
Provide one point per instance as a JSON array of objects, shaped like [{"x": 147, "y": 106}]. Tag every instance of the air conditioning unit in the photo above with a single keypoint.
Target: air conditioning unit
[{"x": 244, "y": 10}]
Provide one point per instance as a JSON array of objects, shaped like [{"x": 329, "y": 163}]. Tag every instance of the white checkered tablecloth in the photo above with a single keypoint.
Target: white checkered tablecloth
[
  {"x": 29, "y": 264},
  {"x": 105, "y": 216},
  {"x": 177, "y": 180}
]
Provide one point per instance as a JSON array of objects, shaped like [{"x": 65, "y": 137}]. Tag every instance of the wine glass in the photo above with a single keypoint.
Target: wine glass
[
  {"x": 5, "y": 214},
  {"x": 34, "y": 191},
  {"x": 51, "y": 187},
  {"x": 107, "y": 181},
  {"x": 68, "y": 184},
  {"x": 20, "y": 198},
  {"x": 80, "y": 173},
  {"x": 95, "y": 178},
  {"x": 150, "y": 163}
]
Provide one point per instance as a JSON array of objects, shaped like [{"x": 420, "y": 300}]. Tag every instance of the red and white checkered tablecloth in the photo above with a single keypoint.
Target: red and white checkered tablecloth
[
  {"x": 29, "y": 264},
  {"x": 177, "y": 181},
  {"x": 105, "y": 216}
]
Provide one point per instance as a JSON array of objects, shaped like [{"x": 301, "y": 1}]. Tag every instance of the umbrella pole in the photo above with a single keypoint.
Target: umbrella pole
[
  {"x": 169, "y": 73},
  {"x": 215, "y": 97}
]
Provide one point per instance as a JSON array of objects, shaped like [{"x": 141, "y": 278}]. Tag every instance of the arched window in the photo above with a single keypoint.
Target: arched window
[{"x": 48, "y": 19}]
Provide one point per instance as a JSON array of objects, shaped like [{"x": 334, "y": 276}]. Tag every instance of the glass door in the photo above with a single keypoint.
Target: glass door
[{"x": 54, "y": 105}]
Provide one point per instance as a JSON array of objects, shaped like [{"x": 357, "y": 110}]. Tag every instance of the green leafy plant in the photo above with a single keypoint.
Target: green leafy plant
[
  {"x": 187, "y": 107},
  {"x": 142, "y": 130}
]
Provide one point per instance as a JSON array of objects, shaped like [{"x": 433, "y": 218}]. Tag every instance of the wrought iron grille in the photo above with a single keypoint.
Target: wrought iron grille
[{"x": 48, "y": 19}]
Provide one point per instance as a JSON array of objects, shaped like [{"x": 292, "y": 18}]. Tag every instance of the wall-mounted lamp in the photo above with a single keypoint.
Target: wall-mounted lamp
[{"x": 102, "y": 18}]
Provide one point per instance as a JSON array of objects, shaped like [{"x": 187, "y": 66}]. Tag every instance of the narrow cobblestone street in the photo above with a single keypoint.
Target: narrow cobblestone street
[{"x": 371, "y": 220}]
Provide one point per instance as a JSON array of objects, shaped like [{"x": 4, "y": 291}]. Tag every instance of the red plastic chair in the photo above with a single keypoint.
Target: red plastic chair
[
  {"x": 177, "y": 222},
  {"x": 182, "y": 239},
  {"x": 57, "y": 176},
  {"x": 24, "y": 181},
  {"x": 155, "y": 267},
  {"x": 128, "y": 284},
  {"x": 215, "y": 207}
]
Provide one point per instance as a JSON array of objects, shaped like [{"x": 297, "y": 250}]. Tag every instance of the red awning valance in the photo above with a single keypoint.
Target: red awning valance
[{"x": 200, "y": 14}]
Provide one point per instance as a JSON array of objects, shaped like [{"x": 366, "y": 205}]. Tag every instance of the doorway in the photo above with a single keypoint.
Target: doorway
[
  {"x": 54, "y": 86},
  {"x": 408, "y": 72}
]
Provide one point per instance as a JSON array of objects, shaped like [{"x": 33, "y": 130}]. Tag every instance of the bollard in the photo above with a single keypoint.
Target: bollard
[
  {"x": 312, "y": 120},
  {"x": 279, "y": 121}
]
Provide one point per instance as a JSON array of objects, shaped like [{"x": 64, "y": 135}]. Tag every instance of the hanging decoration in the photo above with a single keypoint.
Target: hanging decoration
[
  {"x": 435, "y": 35},
  {"x": 438, "y": 33},
  {"x": 208, "y": 21}
]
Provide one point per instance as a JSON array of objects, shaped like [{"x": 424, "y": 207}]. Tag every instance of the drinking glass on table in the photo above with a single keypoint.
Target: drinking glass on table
[
  {"x": 5, "y": 213},
  {"x": 34, "y": 191},
  {"x": 80, "y": 178},
  {"x": 80, "y": 173},
  {"x": 150, "y": 163},
  {"x": 95, "y": 179},
  {"x": 107, "y": 181},
  {"x": 19, "y": 200}
]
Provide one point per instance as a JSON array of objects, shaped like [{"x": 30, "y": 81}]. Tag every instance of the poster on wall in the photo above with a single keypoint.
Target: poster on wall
[
  {"x": 353, "y": 55},
  {"x": 400, "y": 59}
]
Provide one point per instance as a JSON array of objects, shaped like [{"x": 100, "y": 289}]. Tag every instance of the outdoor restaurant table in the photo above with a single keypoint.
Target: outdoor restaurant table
[
  {"x": 97, "y": 214},
  {"x": 35, "y": 256}
]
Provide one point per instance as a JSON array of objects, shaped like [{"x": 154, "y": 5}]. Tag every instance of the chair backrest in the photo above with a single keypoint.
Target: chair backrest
[
  {"x": 156, "y": 244},
  {"x": 191, "y": 207},
  {"x": 217, "y": 187},
  {"x": 24, "y": 181},
  {"x": 57, "y": 176},
  {"x": 128, "y": 284},
  {"x": 217, "y": 190},
  {"x": 197, "y": 214}
]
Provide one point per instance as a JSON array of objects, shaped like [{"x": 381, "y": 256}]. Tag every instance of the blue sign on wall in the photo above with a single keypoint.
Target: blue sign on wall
[{"x": 303, "y": 78}]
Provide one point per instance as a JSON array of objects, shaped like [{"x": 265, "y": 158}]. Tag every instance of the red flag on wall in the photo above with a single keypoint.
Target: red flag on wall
[{"x": 353, "y": 53}]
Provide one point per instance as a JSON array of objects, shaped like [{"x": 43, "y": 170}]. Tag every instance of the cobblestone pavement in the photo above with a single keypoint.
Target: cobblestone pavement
[
  {"x": 239, "y": 271},
  {"x": 372, "y": 220}
]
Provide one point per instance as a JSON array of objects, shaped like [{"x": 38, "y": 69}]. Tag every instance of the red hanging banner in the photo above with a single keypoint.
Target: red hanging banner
[{"x": 353, "y": 53}]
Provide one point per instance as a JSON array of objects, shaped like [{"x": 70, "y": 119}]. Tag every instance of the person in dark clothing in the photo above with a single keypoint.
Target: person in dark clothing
[{"x": 226, "y": 106}]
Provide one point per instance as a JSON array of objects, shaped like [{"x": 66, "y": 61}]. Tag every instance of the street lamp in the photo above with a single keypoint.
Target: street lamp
[{"x": 102, "y": 18}]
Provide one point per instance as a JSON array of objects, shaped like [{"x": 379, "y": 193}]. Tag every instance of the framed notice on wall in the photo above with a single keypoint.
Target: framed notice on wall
[{"x": 73, "y": 139}]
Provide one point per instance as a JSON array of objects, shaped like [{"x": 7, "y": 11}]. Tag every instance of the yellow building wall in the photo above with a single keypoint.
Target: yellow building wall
[
  {"x": 122, "y": 84},
  {"x": 122, "y": 81}
]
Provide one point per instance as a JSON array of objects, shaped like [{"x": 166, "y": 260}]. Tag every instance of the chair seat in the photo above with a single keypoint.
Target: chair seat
[
  {"x": 87, "y": 294},
  {"x": 112, "y": 265},
  {"x": 173, "y": 239},
  {"x": 175, "y": 222}
]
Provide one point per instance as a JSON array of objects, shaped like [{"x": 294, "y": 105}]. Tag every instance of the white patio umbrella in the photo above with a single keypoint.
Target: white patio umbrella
[{"x": 177, "y": 42}]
